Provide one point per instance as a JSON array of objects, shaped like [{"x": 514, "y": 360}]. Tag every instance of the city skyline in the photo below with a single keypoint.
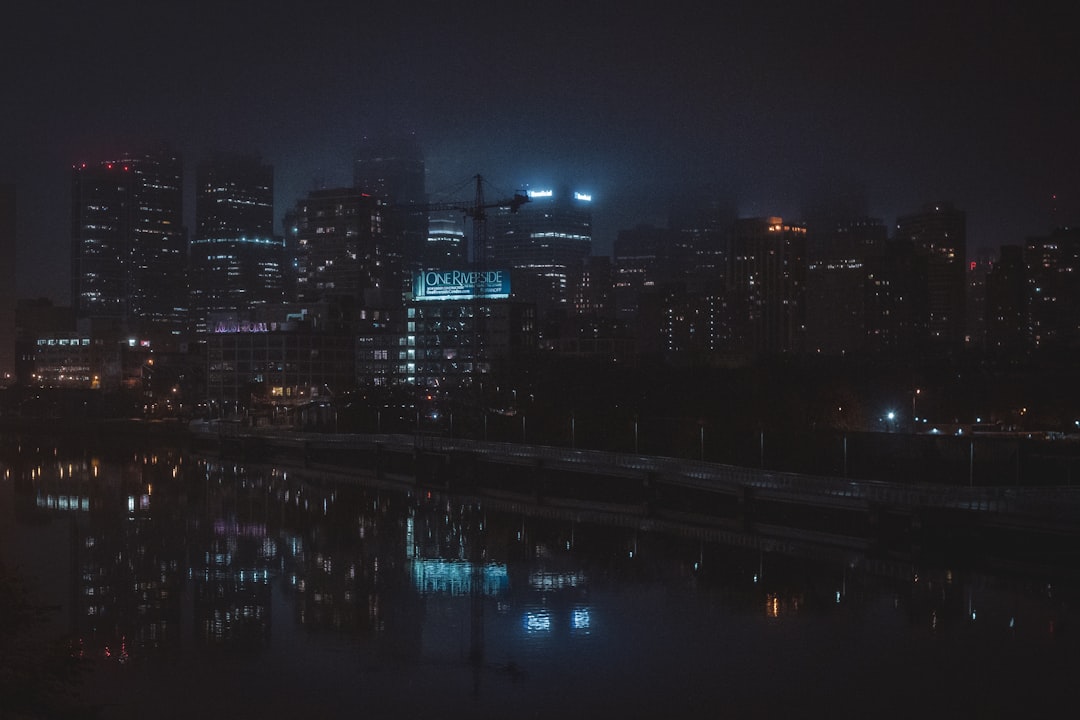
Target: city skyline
[{"x": 768, "y": 108}]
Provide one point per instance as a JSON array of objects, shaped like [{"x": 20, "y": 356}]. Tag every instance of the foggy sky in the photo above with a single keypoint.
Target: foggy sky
[{"x": 768, "y": 107}]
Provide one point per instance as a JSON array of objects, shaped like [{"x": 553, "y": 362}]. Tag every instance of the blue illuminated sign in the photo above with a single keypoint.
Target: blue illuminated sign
[{"x": 461, "y": 285}]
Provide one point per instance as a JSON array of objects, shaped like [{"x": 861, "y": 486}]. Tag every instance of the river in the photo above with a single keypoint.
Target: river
[{"x": 190, "y": 586}]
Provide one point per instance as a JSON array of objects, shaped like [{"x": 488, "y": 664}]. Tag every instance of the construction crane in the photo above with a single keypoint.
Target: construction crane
[{"x": 477, "y": 211}]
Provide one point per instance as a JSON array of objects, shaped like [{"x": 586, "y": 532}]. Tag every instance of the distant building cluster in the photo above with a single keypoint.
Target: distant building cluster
[{"x": 374, "y": 286}]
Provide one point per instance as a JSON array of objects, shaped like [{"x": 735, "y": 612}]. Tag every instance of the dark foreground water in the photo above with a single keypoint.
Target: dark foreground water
[{"x": 193, "y": 588}]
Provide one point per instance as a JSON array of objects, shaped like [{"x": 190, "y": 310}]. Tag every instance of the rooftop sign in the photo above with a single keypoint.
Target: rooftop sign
[{"x": 461, "y": 285}]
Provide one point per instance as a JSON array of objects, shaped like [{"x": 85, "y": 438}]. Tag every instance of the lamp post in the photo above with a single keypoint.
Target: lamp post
[
  {"x": 573, "y": 443},
  {"x": 635, "y": 434},
  {"x": 914, "y": 417}
]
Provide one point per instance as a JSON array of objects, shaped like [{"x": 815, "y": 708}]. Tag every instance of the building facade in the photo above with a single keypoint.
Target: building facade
[
  {"x": 276, "y": 359},
  {"x": 544, "y": 243},
  {"x": 236, "y": 261},
  {"x": 939, "y": 233},
  {"x": 458, "y": 327},
  {"x": 129, "y": 245},
  {"x": 836, "y": 283},
  {"x": 766, "y": 278},
  {"x": 343, "y": 255},
  {"x": 1052, "y": 264},
  {"x": 392, "y": 169}
]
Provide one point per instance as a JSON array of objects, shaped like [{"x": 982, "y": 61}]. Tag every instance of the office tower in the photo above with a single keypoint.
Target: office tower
[
  {"x": 342, "y": 255},
  {"x": 895, "y": 299},
  {"x": 641, "y": 262},
  {"x": 129, "y": 245},
  {"x": 458, "y": 331},
  {"x": 1053, "y": 276},
  {"x": 391, "y": 168},
  {"x": 836, "y": 284},
  {"x": 446, "y": 246},
  {"x": 7, "y": 285},
  {"x": 766, "y": 276},
  {"x": 543, "y": 242},
  {"x": 591, "y": 289},
  {"x": 975, "y": 272},
  {"x": 1007, "y": 304},
  {"x": 939, "y": 233},
  {"x": 701, "y": 227},
  {"x": 236, "y": 262}
]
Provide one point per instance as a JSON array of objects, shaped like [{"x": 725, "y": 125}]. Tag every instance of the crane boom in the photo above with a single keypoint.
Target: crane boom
[{"x": 475, "y": 209}]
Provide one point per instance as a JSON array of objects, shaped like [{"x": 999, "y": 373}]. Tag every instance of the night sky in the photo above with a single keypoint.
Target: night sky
[{"x": 766, "y": 105}]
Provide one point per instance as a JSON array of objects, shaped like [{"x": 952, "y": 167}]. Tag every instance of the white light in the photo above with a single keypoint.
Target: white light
[
  {"x": 537, "y": 621},
  {"x": 540, "y": 193},
  {"x": 583, "y": 196}
]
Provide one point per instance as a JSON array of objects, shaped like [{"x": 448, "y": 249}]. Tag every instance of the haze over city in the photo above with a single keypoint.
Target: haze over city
[{"x": 769, "y": 107}]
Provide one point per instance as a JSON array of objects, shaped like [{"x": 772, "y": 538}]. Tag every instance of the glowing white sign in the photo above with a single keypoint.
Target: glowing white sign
[
  {"x": 540, "y": 193},
  {"x": 242, "y": 326},
  {"x": 583, "y": 196}
]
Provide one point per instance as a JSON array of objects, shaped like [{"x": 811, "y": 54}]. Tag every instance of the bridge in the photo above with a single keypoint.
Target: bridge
[{"x": 661, "y": 487}]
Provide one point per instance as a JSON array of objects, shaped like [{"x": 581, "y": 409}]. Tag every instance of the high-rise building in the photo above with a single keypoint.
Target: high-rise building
[
  {"x": 391, "y": 168},
  {"x": 446, "y": 245},
  {"x": 544, "y": 242},
  {"x": 836, "y": 284},
  {"x": 8, "y": 298},
  {"x": 236, "y": 261},
  {"x": 129, "y": 245},
  {"x": 642, "y": 263},
  {"x": 1053, "y": 275},
  {"x": 976, "y": 271},
  {"x": 343, "y": 256},
  {"x": 939, "y": 232},
  {"x": 895, "y": 299},
  {"x": 1007, "y": 304},
  {"x": 766, "y": 277}
]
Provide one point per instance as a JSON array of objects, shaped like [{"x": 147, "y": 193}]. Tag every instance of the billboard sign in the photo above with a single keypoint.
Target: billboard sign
[{"x": 461, "y": 285}]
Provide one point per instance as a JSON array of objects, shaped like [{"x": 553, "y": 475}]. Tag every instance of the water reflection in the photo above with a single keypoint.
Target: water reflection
[{"x": 356, "y": 595}]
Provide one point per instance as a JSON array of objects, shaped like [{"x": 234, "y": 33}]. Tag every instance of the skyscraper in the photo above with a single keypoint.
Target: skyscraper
[
  {"x": 1053, "y": 297},
  {"x": 766, "y": 277},
  {"x": 545, "y": 243},
  {"x": 236, "y": 262},
  {"x": 1007, "y": 304},
  {"x": 446, "y": 246},
  {"x": 7, "y": 284},
  {"x": 391, "y": 168},
  {"x": 343, "y": 257},
  {"x": 836, "y": 284},
  {"x": 129, "y": 245},
  {"x": 939, "y": 233}
]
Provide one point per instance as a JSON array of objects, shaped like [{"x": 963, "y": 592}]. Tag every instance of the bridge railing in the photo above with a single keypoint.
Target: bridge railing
[{"x": 1049, "y": 501}]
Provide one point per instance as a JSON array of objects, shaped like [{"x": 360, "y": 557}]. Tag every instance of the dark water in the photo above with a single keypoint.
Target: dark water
[{"x": 196, "y": 588}]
